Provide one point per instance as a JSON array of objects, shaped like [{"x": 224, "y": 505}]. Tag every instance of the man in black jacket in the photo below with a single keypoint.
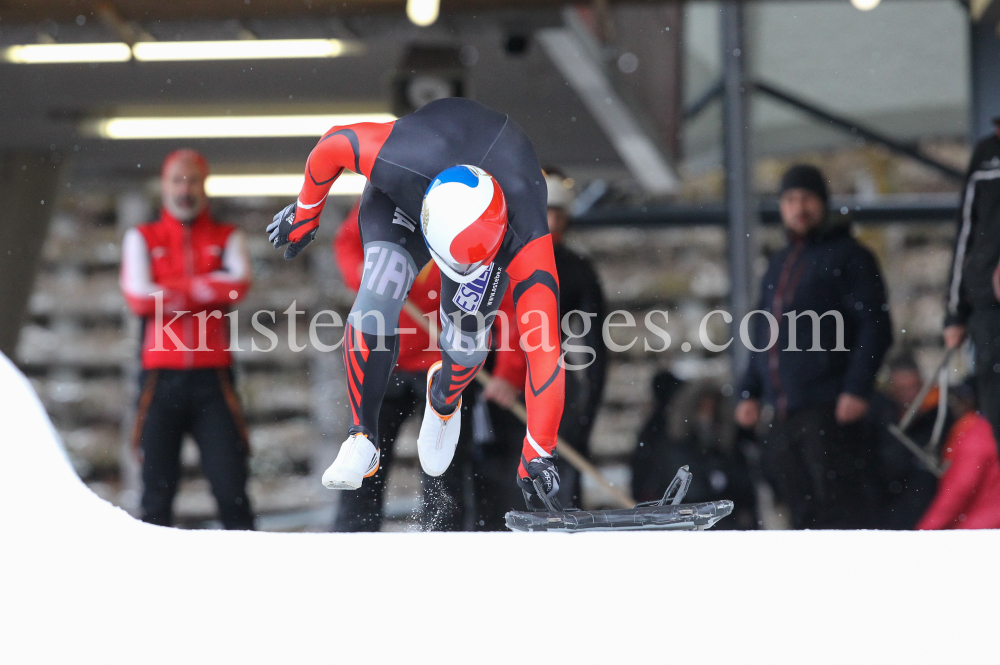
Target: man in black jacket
[
  {"x": 826, "y": 290},
  {"x": 974, "y": 292}
]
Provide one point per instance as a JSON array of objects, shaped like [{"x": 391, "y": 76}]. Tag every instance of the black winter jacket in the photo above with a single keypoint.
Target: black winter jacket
[
  {"x": 977, "y": 245},
  {"x": 580, "y": 289},
  {"x": 829, "y": 271}
]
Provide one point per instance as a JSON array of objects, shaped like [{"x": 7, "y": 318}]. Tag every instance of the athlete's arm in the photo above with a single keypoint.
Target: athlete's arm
[
  {"x": 536, "y": 305},
  {"x": 351, "y": 147}
]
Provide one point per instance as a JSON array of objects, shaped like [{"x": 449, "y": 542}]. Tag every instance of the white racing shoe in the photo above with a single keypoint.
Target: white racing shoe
[
  {"x": 358, "y": 459},
  {"x": 438, "y": 434}
]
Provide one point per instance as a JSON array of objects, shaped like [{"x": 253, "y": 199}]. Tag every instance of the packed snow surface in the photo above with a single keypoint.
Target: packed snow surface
[{"x": 83, "y": 582}]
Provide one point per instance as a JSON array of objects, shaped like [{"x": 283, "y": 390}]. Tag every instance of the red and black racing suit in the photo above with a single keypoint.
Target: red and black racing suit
[{"x": 400, "y": 159}]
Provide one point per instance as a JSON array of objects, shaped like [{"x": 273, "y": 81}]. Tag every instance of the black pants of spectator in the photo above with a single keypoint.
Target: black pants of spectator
[
  {"x": 200, "y": 402},
  {"x": 574, "y": 429},
  {"x": 984, "y": 329},
  {"x": 362, "y": 509},
  {"x": 820, "y": 470}
]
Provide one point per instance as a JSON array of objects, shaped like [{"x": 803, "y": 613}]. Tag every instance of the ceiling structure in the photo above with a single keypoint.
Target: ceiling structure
[
  {"x": 184, "y": 10},
  {"x": 50, "y": 106}
]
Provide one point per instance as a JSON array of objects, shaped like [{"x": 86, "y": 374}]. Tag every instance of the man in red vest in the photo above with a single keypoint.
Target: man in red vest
[{"x": 181, "y": 273}]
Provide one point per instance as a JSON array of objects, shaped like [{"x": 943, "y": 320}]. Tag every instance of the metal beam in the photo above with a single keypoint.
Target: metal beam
[
  {"x": 574, "y": 59},
  {"x": 984, "y": 44},
  {"x": 857, "y": 129},
  {"x": 921, "y": 210},
  {"x": 740, "y": 202}
]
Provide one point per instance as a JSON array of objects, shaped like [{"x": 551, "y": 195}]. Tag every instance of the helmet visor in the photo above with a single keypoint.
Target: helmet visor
[{"x": 458, "y": 272}]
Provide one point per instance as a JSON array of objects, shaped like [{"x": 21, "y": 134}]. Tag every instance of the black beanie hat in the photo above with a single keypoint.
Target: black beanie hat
[{"x": 805, "y": 176}]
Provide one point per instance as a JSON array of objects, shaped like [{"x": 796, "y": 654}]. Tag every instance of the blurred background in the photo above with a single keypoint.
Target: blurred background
[{"x": 674, "y": 120}]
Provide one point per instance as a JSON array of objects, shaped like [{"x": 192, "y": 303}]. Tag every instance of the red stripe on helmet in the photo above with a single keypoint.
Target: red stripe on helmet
[{"x": 481, "y": 240}]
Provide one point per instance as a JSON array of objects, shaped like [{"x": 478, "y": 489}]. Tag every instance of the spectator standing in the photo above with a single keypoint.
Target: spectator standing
[
  {"x": 906, "y": 486},
  {"x": 814, "y": 450},
  {"x": 968, "y": 496},
  {"x": 974, "y": 292},
  {"x": 181, "y": 273}
]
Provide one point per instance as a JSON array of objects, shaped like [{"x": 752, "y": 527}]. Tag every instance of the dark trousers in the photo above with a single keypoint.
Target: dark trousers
[
  {"x": 984, "y": 328},
  {"x": 200, "y": 402},
  {"x": 361, "y": 510},
  {"x": 820, "y": 470}
]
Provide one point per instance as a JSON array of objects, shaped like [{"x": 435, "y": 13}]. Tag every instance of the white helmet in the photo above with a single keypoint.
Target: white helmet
[{"x": 464, "y": 220}]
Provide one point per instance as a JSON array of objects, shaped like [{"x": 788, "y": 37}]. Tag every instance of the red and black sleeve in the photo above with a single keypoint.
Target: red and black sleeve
[
  {"x": 351, "y": 147},
  {"x": 536, "y": 306}
]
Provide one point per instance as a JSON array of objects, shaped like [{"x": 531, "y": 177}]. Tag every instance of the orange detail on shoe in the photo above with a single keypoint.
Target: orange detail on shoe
[{"x": 375, "y": 470}]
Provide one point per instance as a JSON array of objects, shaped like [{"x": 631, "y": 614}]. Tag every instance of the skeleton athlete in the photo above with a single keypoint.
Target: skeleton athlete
[{"x": 459, "y": 183}]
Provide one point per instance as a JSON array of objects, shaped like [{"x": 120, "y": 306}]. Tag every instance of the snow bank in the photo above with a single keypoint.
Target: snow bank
[{"x": 84, "y": 582}]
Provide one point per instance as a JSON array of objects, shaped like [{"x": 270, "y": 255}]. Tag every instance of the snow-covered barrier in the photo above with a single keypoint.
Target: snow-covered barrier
[{"x": 83, "y": 582}]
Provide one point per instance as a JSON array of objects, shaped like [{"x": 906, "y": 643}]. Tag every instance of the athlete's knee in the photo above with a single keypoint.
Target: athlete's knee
[
  {"x": 389, "y": 272},
  {"x": 464, "y": 348}
]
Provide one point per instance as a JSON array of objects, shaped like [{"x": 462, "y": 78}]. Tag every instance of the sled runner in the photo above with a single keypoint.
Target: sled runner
[{"x": 667, "y": 514}]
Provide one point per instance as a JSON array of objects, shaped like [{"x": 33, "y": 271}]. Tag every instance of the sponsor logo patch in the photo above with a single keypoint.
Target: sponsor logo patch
[{"x": 470, "y": 295}]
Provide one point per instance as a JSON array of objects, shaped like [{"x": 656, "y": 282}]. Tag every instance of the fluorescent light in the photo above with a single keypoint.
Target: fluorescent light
[
  {"x": 244, "y": 49},
  {"x": 218, "y": 186},
  {"x": 33, "y": 54},
  {"x": 237, "y": 49},
  {"x": 227, "y": 126},
  {"x": 865, "y": 5},
  {"x": 422, "y": 12}
]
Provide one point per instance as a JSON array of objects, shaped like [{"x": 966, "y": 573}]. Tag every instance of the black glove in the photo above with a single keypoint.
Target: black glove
[
  {"x": 545, "y": 470},
  {"x": 284, "y": 224}
]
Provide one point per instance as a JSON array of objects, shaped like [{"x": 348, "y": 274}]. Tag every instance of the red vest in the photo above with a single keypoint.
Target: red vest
[{"x": 179, "y": 253}]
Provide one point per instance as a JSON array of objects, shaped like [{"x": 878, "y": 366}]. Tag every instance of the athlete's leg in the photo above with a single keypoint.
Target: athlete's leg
[
  {"x": 467, "y": 313},
  {"x": 362, "y": 510},
  {"x": 394, "y": 254}
]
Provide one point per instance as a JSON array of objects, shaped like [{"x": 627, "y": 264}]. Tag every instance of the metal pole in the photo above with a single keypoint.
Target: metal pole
[
  {"x": 984, "y": 43},
  {"x": 740, "y": 202}
]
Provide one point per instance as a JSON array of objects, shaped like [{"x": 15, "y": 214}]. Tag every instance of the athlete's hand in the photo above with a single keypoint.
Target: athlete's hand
[
  {"x": 545, "y": 469},
  {"x": 284, "y": 227}
]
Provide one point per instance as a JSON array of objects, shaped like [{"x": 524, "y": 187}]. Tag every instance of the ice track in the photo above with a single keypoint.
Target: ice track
[{"x": 83, "y": 582}]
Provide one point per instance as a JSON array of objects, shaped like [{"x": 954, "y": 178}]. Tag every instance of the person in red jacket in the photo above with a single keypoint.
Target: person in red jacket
[
  {"x": 181, "y": 274},
  {"x": 968, "y": 495},
  {"x": 362, "y": 510}
]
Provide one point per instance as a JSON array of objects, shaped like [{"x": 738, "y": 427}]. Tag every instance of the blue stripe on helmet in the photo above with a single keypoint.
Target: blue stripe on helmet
[{"x": 459, "y": 173}]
